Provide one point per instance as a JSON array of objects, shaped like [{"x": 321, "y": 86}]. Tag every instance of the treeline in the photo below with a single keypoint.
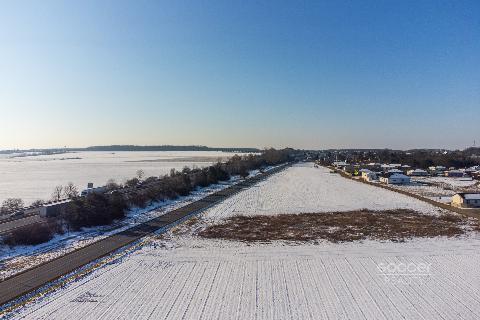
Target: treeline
[
  {"x": 97, "y": 209},
  {"x": 418, "y": 158},
  {"x": 113, "y": 148},
  {"x": 163, "y": 148},
  {"x": 427, "y": 158}
]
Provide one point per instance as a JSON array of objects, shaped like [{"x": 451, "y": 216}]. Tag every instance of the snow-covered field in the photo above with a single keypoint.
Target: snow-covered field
[
  {"x": 303, "y": 188},
  {"x": 449, "y": 181},
  {"x": 34, "y": 177},
  {"x": 180, "y": 276},
  {"x": 18, "y": 259},
  {"x": 440, "y": 189}
]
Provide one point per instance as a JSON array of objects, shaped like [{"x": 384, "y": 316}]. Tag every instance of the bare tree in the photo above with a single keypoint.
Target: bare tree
[
  {"x": 243, "y": 172},
  {"x": 37, "y": 203},
  {"x": 112, "y": 185},
  {"x": 11, "y": 205},
  {"x": 140, "y": 174},
  {"x": 70, "y": 191},
  {"x": 132, "y": 182},
  {"x": 57, "y": 193}
]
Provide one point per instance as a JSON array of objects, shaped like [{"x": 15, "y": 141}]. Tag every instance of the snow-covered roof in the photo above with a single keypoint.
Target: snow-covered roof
[
  {"x": 473, "y": 169},
  {"x": 399, "y": 176},
  {"x": 395, "y": 171},
  {"x": 469, "y": 196},
  {"x": 472, "y": 196}
]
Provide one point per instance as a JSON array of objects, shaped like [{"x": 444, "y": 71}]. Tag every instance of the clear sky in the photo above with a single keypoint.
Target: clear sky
[{"x": 306, "y": 74}]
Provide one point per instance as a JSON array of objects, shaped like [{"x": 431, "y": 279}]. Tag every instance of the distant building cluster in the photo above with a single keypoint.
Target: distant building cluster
[{"x": 398, "y": 174}]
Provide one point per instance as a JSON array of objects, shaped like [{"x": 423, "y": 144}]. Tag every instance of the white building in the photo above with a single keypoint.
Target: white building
[
  {"x": 340, "y": 164},
  {"x": 53, "y": 209},
  {"x": 393, "y": 171},
  {"x": 396, "y": 178},
  {"x": 466, "y": 200},
  {"x": 454, "y": 173},
  {"x": 417, "y": 173},
  {"x": 368, "y": 175},
  {"x": 472, "y": 169},
  {"x": 91, "y": 189},
  {"x": 437, "y": 169}
]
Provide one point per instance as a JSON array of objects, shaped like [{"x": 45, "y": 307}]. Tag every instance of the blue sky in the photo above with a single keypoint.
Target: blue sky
[{"x": 306, "y": 74}]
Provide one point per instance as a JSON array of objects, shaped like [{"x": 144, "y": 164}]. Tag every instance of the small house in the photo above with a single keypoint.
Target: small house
[
  {"x": 472, "y": 169},
  {"x": 368, "y": 175},
  {"x": 466, "y": 200},
  {"x": 437, "y": 169},
  {"x": 395, "y": 178},
  {"x": 454, "y": 173},
  {"x": 417, "y": 173},
  {"x": 90, "y": 189},
  {"x": 340, "y": 164},
  {"x": 54, "y": 209},
  {"x": 393, "y": 171}
]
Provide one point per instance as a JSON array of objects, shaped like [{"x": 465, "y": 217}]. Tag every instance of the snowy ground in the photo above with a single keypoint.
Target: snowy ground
[
  {"x": 18, "y": 259},
  {"x": 449, "y": 181},
  {"x": 440, "y": 189},
  {"x": 180, "y": 276},
  {"x": 34, "y": 177}
]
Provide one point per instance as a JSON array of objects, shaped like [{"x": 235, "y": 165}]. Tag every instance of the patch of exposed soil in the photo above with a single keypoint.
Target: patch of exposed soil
[{"x": 395, "y": 225}]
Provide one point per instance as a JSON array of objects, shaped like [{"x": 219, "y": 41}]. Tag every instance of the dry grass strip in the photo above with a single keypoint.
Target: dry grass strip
[{"x": 395, "y": 225}]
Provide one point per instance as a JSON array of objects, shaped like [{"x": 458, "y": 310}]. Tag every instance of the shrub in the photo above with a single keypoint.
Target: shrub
[
  {"x": 37, "y": 203},
  {"x": 11, "y": 205},
  {"x": 243, "y": 172},
  {"x": 222, "y": 174},
  {"x": 117, "y": 205},
  {"x": 150, "y": 180},
  {"x": 112, "y": 185},
  {"x": 31, "y": 234},
  {"x": 138, "y": 199},
  {"x": 132, "y": 182},
  {"x": 95, "y": 210}
]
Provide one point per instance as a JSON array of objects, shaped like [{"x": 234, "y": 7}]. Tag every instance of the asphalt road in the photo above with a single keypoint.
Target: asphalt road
[{"x": 32, "y": 279}]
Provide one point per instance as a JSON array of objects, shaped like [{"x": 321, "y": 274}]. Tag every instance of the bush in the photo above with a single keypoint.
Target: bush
[
  {"x": 11, "y": 205},
  {"x": 243, "y": 172},
  {"x": 37, "y": 203},
  {"x": 112, "y": 185},
  {"x": 31, "y": 234},
  {"x": 222, "y": 175},
  {"x": 95, "y": 210},
  {"x": 117, "y": 205},
  {"x": 138, "y": 199},
  {"x": 132, "y": 182}
]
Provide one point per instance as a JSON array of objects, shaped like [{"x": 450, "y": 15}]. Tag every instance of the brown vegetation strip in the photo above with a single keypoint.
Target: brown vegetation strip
[{"x": 395, "y": 225}]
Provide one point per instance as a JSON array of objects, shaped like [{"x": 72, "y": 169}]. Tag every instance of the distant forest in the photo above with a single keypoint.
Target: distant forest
[
  {"x": 113, "y": 148},
  {"x": 417, "y": 158}
]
